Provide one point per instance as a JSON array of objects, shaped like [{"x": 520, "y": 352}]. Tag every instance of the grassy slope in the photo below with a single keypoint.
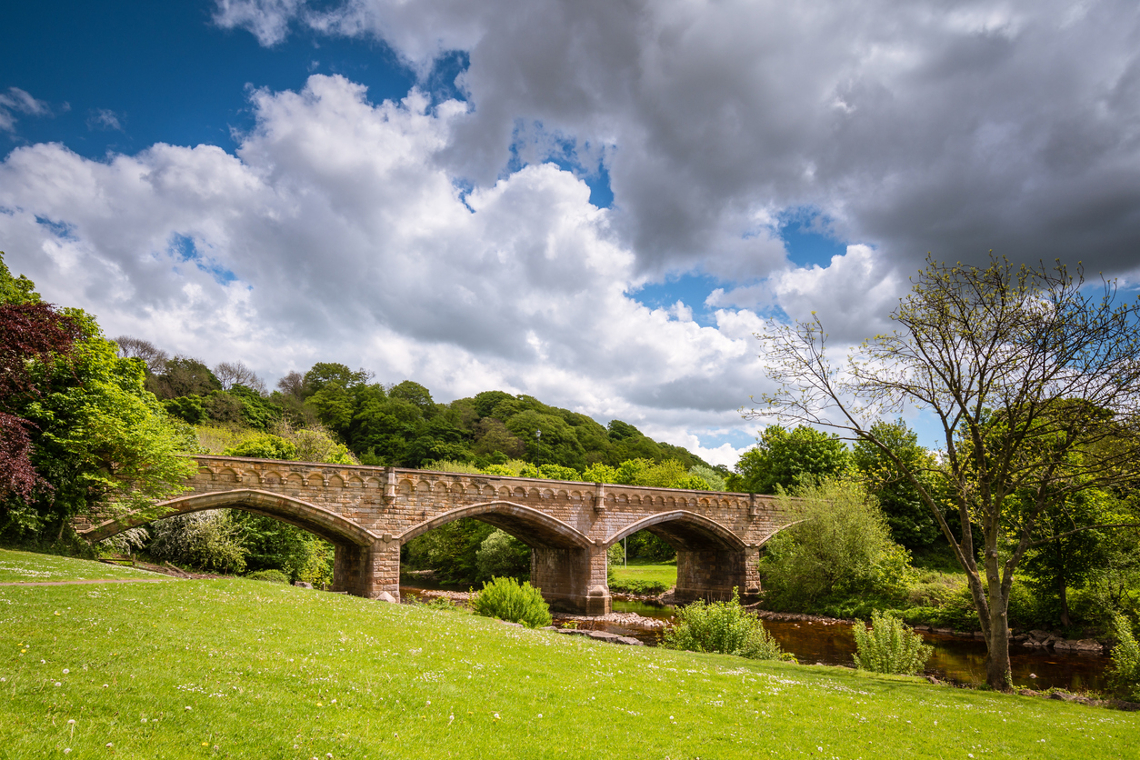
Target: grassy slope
[
  {"x": 25, "y": 567},
  {"x": 270, "y": 671}
]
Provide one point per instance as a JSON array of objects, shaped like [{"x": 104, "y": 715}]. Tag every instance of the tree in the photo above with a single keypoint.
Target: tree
[
  {"x": 783, "y": 459},
  {"x": 1034, "y": 383},
  {"x": 839, "y": 547},
  {"x": 137, "y": 348},
  {"x": 102, "y": 440},
  {"x": 185, "y": 376},
  {"x": 230, "y": 374},
  {"x": 30, "y": 331},
  {"x": 1070, "y": 559},
  {"x": 911, "y": 524}
]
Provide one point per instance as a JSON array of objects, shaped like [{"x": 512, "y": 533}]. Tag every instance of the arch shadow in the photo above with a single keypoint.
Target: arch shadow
[
  {"x": 685, "y": 531},
  {"x": 535, "y": 529},
  {"x": 324, "y": 523}
]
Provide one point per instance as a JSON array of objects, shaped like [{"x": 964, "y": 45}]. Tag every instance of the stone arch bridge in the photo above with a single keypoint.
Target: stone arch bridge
[{"x": 368, "y": 513}]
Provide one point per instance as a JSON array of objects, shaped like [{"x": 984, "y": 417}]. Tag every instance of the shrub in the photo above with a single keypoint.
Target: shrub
[
  {"x": 273, "y": 576},
  {"x": 263, "y": 446},
  {"x": 841, "y": 548},
  {"x": 1124, "y": 673},
  {"x": 208, "y": 540},
  {"x": 505, "y": 599},
  {"x": 889, "y": 646},
  {"x": 501, "y": 554},
  {"x": 723, "y": 627}
]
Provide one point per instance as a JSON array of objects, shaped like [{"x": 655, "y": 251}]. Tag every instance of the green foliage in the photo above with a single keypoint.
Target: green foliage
[
  {"x": 102, "y": 441},
  {"x": 263, "y": 446},
  {"x": 503, "y": 555},
  {"x": 910, "y": 520},
  {"x": 273, "y": 576},
  {"x": 189, "y": 409},
  {"x": 840, "y": 548},
  {"x": 505, "y": 599},
  {"x": 185, "y": 376},
  {"x": 463, "y": 468},
  {"x": 1124, "y": 674},
  {"x": 1071, "y": 561},
  {"x": 600, "y": 473},
  {"x": 649, "y": 546},
  {"x": 783, "y": 459},
  {"x": 315, "y": 445},
  {"x": 723, "y": 627},
  {"x": 16, "y": 290},
  {"x": 714, "y": 479},
  {"x": 558, "y": 472},
  {"x": 450, "y": 550},
  {"x": 270, "y": 544},
  {"x": 889, "y": 646},
  {"x": 206, "y": 540}
]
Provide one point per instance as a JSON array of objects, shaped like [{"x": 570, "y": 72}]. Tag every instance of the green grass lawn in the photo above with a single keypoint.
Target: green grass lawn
[
  {"x": 238, "y": 668},
  {"x": 639, "y": 570},
  {"x": 25, "y": 567}
]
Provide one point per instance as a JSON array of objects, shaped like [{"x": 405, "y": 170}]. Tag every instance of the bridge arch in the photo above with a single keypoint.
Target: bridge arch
[
  {"x": 684, "y": 530},
  {"x": 322, "y": 522},
  {"x": 535, "y": 529}
]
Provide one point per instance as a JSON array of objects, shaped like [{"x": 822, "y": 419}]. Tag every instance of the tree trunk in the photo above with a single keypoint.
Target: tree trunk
[
  {"x": 997, "y": 647},
  {"x": 1062, "y": 592}
]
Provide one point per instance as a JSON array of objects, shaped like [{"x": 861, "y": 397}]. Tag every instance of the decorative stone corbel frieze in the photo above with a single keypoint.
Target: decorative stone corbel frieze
[
  {"x": 753, "y": 506},
  {"x": 599, "y": 497}
]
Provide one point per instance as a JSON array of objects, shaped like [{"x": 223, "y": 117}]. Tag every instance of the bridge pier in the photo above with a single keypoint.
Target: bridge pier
[
  {"x": 572, "y": 580},
  {"x": 368, "y": 571},
  {"x": 710, "y": 573}
]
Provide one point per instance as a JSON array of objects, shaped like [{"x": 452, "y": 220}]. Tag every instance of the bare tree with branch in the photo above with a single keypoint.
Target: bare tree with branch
[
  {"x": 1034, "y": 381},
  {"x": 131, "y": 347},
  {"x": 230, "y": 374}
]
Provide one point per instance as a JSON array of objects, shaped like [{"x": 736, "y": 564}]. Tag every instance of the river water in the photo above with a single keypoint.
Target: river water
[{"x": 955, "y": 659}]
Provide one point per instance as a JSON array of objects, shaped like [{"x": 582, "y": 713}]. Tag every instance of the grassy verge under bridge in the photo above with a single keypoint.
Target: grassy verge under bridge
[{"x": 238, "y": 668}]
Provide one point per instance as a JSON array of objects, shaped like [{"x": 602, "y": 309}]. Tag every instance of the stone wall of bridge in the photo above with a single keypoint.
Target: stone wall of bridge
[{"x": 369, "y": 512}]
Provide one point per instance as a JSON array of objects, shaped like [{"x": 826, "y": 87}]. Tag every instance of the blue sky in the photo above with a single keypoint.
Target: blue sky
[{"x": 594, "y": 204}]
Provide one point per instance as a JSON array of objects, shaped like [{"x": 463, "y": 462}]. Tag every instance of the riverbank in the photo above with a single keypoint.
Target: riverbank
[{"x": 241, "y": 668}]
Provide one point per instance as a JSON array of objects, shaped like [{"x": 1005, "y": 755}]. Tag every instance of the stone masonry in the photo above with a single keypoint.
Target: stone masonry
[{"x": 368, "y": 513}]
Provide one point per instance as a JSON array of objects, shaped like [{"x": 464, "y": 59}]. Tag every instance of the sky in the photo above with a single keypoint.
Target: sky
[{"x": 594, "y": 202}]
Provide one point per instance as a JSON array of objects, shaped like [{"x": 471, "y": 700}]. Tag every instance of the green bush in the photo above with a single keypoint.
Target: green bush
[
  {"x": 723, "y": 627},
  {"x": 208, "y": 540},
  {"x": 273, "y": 576},
  {"x": 501, "y": 554},
  {"x": 505, "y": 599},
  {"x": 889, "y": 646},
  {"x": 841, "y": 549},
  {"x": 1124, "y": 673}
]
